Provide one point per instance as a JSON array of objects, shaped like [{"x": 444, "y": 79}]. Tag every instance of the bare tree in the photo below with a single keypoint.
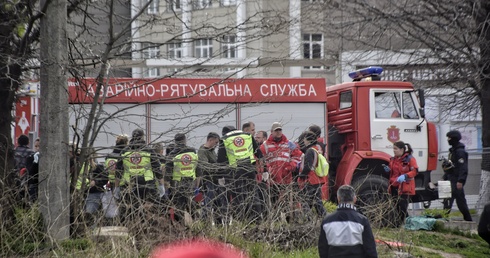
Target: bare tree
[{"x": 440, "y": 46}]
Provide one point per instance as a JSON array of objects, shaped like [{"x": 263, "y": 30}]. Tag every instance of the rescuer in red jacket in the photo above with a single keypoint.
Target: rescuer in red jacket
[
  {"x": 402, "y": 168},
  {"x": 281, "y": 158}
]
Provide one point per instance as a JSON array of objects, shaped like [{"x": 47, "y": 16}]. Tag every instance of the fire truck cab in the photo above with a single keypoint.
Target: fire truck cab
[{"x": 365, "y": 117}]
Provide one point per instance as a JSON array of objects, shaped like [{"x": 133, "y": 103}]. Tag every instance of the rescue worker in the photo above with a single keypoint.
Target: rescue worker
[
  {"x": 112, "y": 158},
  {"x": 281, "y": 158},
  {"x": 456, "y": 171},
  {"x": 310, "y": 183},
  {"x": 320, "y": 141},
  {"x": 208, "y": 167},
  {"x": 260, "y": 137},
  {"x": 402, "y": 168},
  {"x": 249, "y": 127},
  {"x": 91, "y": 180},
  {"x": 237, "y": 151},
  {"x": 182, "y": 165},
  {"x": 109, "y": 203},
  {"x": 136, "y": 172}
]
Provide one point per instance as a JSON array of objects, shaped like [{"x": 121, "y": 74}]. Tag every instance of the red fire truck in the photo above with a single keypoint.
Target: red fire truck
[
  {"x": 365, "y": 117},
  {"x": 362, "y": 119}
]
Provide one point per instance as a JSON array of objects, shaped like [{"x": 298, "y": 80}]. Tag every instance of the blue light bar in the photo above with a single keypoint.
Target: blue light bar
[{"x": 366, "y": 72}]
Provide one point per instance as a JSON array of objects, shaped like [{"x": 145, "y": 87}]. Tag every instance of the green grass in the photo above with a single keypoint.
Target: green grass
[{"x": 445, "y": 240}]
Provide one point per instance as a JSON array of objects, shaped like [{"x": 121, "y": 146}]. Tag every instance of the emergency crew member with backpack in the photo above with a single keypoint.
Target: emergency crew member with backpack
[
  {"x": 402, "y": 168},
  {"x": 312, "y": 172}
]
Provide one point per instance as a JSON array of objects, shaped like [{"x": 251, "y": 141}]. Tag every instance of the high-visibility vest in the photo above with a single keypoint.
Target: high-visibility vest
[
  {"x": 239, "y": 147},
  {"x": 80, "y": 177},
  {"x": 136, "y": 163},
  {"x": 185, "y": 165}
]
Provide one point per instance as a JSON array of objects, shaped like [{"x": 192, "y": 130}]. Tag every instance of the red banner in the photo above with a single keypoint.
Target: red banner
[
  {"x": 182, "y": 90},
  {"x": 22, "y": 116}
]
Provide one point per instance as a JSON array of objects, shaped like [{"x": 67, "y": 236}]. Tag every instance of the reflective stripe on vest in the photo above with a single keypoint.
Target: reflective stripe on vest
[
  {"x": 239, "y": 147},
  {"x": 185, "y": 165},
  {"x": 136, "y": 163}
]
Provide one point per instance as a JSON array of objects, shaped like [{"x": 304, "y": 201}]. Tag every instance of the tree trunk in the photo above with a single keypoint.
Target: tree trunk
[
  {"x": 482, "y": 21},
  {"x": 54, "y": 199}
]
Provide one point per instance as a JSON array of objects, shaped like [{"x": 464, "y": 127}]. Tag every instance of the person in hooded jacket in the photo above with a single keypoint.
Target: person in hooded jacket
[
  {"x": 456, "y": 172},
  {"x": 309, "y": 182},
  {"x": 402, "y": 168}
]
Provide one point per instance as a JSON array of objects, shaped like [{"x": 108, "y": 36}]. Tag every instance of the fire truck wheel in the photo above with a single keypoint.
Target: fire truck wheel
[{"x": 374, "y": 201}]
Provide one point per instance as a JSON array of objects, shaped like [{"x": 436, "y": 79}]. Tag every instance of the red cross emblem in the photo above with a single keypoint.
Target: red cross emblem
[
  {"x": 111, "y": 165},
  {"x": 186, "y": 159},
  {"x": 239, "y": 141},
  {"x": 135, "y": 158}
]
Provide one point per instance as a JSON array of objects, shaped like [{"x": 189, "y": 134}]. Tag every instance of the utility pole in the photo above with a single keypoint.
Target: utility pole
[{"x": 54, "y": 176}]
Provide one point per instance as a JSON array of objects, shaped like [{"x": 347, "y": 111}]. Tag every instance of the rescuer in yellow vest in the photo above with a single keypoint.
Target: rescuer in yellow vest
[
  {"x": 136, "y": 172},
  {"x": 182, "y": 165},
  {"x": 237, "y": 150}
]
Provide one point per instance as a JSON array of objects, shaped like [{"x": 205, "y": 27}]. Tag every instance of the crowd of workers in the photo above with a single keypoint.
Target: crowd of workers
[
  {"x": 250, "y": 176},
  {"x": 240, "y": 174}
]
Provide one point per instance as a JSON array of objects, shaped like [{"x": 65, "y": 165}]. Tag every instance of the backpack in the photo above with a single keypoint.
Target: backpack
[
  {"x": 322, "y": 168},
  {"x": 21, "y": 154}
]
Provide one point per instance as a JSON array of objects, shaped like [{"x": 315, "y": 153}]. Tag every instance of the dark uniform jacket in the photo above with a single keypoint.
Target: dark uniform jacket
[
  {"x": 459, "y": 158},
  {"x": 346, "y": 234},
  {"x": 207, "y": 163}
]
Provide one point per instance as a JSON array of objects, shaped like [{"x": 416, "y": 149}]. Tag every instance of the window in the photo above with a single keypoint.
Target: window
[
  {"x": 153, "y": 6},
  {"x": 229, "y": 46},
  {"x": 203, "y": 48},
  {"x": 345, "y": 99},
  {"x": 150, "y": 51},
  {"x": 228, "y": 2},
  {"x": 174, "y": 50},
  {"x": 152, "y": 72},
  {"x": 174, "y": 5},
  {"x": 409, "y": 109},
  {"x": 312, "y": 48},
  {"x": 387, "y": 105},
  {"x": 202, "y": 4}
]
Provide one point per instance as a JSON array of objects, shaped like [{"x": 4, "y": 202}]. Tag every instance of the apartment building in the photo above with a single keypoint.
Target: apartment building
[{"x": 230, "y": 38}]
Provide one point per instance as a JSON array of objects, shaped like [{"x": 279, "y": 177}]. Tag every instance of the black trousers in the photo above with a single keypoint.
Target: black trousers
[
  {"x": 312, "y": 197},
  {"x": 459, "y": 196},
  {"x": 401, "y": 202},
  {"x": 133, "y": 197},
  {"x": 183, "y": 197},
  {"x": 246, "y": 203}
]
